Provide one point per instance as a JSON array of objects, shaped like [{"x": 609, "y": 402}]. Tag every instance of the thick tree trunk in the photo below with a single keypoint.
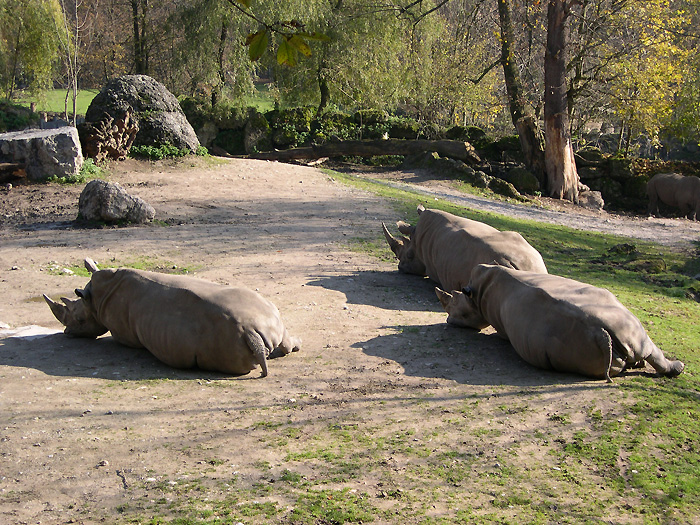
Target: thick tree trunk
[
  {"x": 221, "y": 70},
  {"x": 562, "y": 177},
  {"x": 529, "y": 133},
  {"x": 366, "y": 148}
]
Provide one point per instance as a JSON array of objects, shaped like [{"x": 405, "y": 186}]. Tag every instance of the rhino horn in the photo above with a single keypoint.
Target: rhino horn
[
  {"x": 443, "y": 296},
  {"x": 59, "y": 311},
  {"x": 394, "y": 243},
  {"x": 90, "y": 265}
]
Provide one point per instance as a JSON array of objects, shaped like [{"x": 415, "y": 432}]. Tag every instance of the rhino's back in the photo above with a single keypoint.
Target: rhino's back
[
  {"x": 187, "y": 322},
  {"x": 555, "y": 322},
  {"x": 452, "y": 246}
]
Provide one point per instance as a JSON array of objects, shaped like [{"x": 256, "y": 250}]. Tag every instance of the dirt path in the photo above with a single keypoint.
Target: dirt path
[
  {"x": 386, "y": 409},
  {"x": 681, "y": 233}
]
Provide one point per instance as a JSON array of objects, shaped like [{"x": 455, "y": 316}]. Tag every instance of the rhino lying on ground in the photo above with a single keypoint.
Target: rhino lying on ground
[
  {"x": 183, "y": 321},
  {"x": 446, "y": 248},
  {"x": 675, "y": 190},
  {"x": 556, "y": 323}
]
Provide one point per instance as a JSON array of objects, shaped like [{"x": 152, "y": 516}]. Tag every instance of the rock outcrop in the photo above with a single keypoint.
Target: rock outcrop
[
  {"x": 108, "y": 202},
  {"x": 156, "y": 111},
  {"x": 43, "y": 152}
]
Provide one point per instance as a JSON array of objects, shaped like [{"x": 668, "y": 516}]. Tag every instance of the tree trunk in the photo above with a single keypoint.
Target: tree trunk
[
  {"x": 324, "y": 90},
  {"x": 366, "y": 148},
  {"x": 562, "y": 177},
  {"x": 221, "y": 71},
  {"x": 529, "y": 133},
  {"x": 139, "y": 20}
]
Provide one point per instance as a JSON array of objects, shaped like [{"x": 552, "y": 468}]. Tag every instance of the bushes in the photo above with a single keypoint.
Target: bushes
[
  {"x": 14, "y": 117},
  {"x": 163, "y": 151}
]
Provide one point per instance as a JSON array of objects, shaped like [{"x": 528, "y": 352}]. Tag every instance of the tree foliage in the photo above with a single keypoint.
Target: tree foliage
[{"x": 30, "y": 50}]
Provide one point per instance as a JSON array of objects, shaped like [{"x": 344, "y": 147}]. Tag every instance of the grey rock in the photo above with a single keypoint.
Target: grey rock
[
  {"x": 591, "y": 199},
  {"x": 158, "y": 113},
  {"x": 109, "y": 202},
  {"x": 44, "y": 152}
]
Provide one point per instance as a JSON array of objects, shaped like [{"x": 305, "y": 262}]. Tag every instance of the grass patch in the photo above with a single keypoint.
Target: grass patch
[
  {"x": 53, "y": 101},
  {"x": 164, "y": 151},
  {"x": 142, "y": 263},
  {"x": 653, "y": 448},
  {"x": 89, "y": 170}
]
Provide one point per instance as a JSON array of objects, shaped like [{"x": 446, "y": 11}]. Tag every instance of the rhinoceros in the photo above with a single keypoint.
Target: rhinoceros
[
  {"x": 675, "y": 190},
  {"x": 556, "y": 323},
  {"x": 446, "y": 248},
  {"x": 183, "y": 321}
]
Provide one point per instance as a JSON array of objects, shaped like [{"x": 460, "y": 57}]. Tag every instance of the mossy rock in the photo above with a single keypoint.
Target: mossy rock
[
  {"x": 298, "y": 118},
  {"x": 232, "y": 141},
  {"x": 503, "y": 187},
  {"x": 620, "y": 168},
  {"x": 257, "y": 133},
  {"x": 472, "y": 134},
  {"x": 591, "y": 154},
  {"x": 404, "y": 128},
  {"x": 367, "y": 117},
  {"x": 333, "y": 125},
  {"x": 523, "y": 180}
]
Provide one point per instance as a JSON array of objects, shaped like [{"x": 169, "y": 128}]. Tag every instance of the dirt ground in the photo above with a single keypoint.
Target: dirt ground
[{"x": 381, "y": 394}]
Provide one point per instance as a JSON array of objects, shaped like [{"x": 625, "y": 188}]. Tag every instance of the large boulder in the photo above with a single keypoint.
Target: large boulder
[
  {"x": 157, "y": 112},
  {"x": 109, "y": 202},
  {"x": 43, "y": 152}
]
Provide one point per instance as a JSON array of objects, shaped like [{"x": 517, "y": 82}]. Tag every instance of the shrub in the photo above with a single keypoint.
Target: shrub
[{"x": 164, "y": 151}]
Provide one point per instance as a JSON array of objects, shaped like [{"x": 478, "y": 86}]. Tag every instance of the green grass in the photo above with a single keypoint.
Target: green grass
[
  {"x": 661, "y": 431},
  {"x": 54, "y": 101},
  {"x": 141, "y": 263}
]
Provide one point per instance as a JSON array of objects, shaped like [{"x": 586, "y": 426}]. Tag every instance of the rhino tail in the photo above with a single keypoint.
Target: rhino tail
[
  {"x": 606, "y": 344},
  {"x": 260, "y": 351}
]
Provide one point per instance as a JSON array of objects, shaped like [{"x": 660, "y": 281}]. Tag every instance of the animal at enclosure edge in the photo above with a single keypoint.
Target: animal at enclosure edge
[
  {"x": 675, "y": 190},
  {"x": 185, "y": 322},
  {"x": 556, "y": 323}
]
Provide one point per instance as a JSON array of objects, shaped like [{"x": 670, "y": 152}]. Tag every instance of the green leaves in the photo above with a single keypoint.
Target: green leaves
[
  {"x": 257, "y": 44},
  {"x": 289, "y": 47}
]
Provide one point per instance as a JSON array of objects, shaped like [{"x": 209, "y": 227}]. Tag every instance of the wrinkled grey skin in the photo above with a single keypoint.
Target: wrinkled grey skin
[
  {"x": 446, "y": 248},
  {"x": 675, "y": 190},
  {"x": 183, "y": 321},
  {"x": 556, "y": 323}
]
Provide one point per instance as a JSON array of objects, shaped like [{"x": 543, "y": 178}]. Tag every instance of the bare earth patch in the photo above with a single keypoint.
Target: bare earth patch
[{"x": 385, "y": 408}]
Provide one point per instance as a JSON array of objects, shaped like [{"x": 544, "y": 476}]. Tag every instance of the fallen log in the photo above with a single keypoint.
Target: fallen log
[
  {"x": 367, "y": 148},
  {"x": 10, "y": 171}
]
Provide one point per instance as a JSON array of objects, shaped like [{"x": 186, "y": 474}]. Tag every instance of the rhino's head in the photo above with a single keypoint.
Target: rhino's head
[
  {"x": 404, "y": 250},
  {"x": 461, "y": 308},
  {"x": 77, "y": 315}
]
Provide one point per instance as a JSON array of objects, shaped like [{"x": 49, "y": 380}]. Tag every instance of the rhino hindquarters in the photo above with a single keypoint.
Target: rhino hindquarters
[{"x": 260, "y": 351}]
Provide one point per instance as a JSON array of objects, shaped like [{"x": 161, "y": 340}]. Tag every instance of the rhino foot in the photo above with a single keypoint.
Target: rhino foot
[{"x": 676, "y": 368}]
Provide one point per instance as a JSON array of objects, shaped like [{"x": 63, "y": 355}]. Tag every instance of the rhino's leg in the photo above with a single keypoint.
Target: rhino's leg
[
  {"x": 260, "y": 351},
  {"x": 665, "y": 367}
]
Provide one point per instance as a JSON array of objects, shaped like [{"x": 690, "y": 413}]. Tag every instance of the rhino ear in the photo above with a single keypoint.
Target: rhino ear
[
  {"x": 59, "y": 311},
  {"x": 406, "y": 228},
  {"x": 420, "y": 209},
  {"x": 468, "y": 291},
  {"x": 83, "y": 293}
]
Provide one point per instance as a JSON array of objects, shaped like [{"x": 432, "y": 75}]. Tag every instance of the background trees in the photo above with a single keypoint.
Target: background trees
[
  {"x": 631, "y": 64},
  {"x": 28, "y": 51}
]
